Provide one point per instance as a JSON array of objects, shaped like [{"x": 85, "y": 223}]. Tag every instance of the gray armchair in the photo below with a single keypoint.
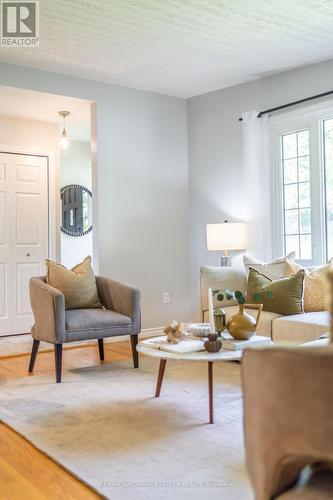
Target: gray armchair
[{"x": 54, "y": 324}]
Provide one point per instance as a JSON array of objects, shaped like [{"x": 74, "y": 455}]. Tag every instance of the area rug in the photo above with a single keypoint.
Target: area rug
[{"x": 103, "y": 424}]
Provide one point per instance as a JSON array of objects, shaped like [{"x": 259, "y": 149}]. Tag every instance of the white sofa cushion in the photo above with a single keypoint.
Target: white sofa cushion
[
  {"x": 265, "y": 322},
  {"x": 274, "y": 270},
  {"x": 301, "y": 328}
]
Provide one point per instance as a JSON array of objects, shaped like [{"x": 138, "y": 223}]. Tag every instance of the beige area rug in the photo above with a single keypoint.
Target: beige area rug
[{"x": 104, "y": 425}]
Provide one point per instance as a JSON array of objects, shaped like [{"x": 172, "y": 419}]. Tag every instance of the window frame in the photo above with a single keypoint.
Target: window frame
[{"x": 311, "y": 118}]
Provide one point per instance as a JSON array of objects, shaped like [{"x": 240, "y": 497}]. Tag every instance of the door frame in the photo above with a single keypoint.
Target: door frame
[{"x": 53, "y": 189}]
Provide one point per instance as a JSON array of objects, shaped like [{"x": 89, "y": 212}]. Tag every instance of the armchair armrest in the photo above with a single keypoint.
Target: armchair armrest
[
  {"x": 120, "y": 298},
  {"x": 48, "y": 306}
]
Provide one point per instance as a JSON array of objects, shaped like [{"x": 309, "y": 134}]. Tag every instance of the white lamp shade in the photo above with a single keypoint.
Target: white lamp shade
[{"x": 227, "y": 236}]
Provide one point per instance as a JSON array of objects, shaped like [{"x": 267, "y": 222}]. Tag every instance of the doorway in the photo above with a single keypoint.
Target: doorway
[{"x": 33, "y": 171}]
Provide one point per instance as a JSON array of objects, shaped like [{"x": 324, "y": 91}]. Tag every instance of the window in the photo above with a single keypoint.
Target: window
[
  {"x": 296, "y": 194},
  {"x": 302, "y": 145}
]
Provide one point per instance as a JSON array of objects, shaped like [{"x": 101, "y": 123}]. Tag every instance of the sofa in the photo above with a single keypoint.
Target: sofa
[{"x": 298, "y": 328}]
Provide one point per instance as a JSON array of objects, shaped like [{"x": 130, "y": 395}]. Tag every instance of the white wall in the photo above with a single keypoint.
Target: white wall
[
  {"x": 216, "y": 186},
  {"x": 29, "y": 133},
  {"x": 141, "y": 188},
  {"x": 75, "y": 168}
]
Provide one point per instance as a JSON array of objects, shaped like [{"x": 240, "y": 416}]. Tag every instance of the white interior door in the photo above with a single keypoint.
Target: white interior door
[{"x": 24, "y": 235}]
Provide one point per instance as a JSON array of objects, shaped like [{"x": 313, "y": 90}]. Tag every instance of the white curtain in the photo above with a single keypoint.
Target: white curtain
[{"x": 257, "y": 184}]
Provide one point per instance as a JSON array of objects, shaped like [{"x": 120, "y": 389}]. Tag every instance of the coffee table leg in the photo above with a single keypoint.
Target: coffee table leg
[
  {"x": 160, "y": 377},
  {"x": 210, "y": 391}
]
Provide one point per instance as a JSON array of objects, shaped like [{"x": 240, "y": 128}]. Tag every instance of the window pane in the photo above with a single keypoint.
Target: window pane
[
  {"x": 303, "y": 169},
  {"x": 328, "y": 153},
  {"x": 292, "y": 245},
  {"x": 291, "y": 222},
  {"x": 289, "y": 146},
  {"x": 304, "y": 194},
  {"x": 290, "y": 171},
  {"x": 305, "y": 244},
  {"x": 303, "y": 143},
  {"x": 297, "y": 193},
  {"x": 290, "y": 196},
  {"x": 305, "y": 220}
]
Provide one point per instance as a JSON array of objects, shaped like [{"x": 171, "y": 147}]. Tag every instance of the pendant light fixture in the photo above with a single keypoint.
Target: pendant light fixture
[{"x": 64, "y": 140}]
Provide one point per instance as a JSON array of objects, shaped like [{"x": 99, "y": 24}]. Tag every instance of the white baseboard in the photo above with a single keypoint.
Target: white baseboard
[{"x": 145, "y": 334}]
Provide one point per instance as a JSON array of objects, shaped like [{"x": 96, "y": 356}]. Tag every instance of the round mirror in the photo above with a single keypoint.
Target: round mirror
[{"x": 76, "y": 209}]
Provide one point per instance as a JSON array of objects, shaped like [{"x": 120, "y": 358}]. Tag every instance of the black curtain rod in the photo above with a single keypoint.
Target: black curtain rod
[{"x": 261, "y": 113}]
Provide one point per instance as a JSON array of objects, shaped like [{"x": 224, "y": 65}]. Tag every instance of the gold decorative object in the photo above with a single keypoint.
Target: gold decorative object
[
  {"x": 175, "y": 332},
  {"x": 242, "y": 326},
  {"x": 213, "y": 344},
  {"x": 219, "y": 320}
]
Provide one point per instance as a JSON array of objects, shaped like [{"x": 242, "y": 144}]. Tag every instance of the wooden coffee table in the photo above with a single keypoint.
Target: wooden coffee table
[{"x": 209, "y": 358}]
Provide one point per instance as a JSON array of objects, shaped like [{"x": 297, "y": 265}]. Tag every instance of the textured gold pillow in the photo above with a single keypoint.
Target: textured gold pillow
[
  {"x": 77, "y": 284},
  {"x": 315, "y": 286},
  {"x": 283, "y": 296}
]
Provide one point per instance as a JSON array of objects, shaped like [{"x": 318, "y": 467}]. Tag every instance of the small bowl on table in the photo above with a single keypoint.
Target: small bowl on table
[{"x": 200, "y": 330}]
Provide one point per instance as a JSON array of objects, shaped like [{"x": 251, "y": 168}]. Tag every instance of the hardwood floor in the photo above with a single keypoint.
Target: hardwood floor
[{"x": 25, "y": 472}]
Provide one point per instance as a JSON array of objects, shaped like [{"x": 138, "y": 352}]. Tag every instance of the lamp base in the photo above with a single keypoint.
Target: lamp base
[{"x": 225, "y": 261}]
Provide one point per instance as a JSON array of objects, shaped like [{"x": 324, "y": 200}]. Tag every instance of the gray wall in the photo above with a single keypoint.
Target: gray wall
[
  {"x": 142, "y": 178},
  {"x": 142, "y": 186},
  {"x": 215, "y": 150}
]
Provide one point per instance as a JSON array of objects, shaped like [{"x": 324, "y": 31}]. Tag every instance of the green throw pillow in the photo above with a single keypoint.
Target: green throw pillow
[{"x": 283, "y": 296}]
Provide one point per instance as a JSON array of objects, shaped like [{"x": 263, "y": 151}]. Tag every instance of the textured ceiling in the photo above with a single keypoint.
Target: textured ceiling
[
  {"x": 26, "y": 104},
  {"x": 178, "y": 47}
]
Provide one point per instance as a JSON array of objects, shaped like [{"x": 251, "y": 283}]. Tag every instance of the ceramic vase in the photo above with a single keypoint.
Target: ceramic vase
[
  {"x": 213, "y": 344},
  {"x": 242, "y": 325}
]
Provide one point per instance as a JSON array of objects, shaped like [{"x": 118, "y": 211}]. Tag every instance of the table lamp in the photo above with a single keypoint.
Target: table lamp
[{"x": 226, "y": 236}]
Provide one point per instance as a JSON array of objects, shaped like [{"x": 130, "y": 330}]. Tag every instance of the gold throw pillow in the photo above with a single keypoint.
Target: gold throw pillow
[
  {"x": 315, "y": 286},
  {"x": 283, "y": 296},
  {"x": 77, "y": 284}
]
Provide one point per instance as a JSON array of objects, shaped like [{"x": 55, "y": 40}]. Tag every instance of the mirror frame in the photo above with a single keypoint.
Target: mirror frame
[{"x": 63, "y": 229}]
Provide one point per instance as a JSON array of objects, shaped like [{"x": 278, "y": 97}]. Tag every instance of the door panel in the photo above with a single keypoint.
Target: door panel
[
  {"x": 4, "y": 313},
  {"x": 27, "y": 219},
  {"x": 23, "y": 234},
  {"x": 3, "y": 217},
  {"x": 27, "y": 173},
  {"x": 24, "y": 271}
]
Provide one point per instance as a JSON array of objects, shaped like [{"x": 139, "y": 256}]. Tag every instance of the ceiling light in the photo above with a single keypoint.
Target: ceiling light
[{"x": 64, "y": 140}]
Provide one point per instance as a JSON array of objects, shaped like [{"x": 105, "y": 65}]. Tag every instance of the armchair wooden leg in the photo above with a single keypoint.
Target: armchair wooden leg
[
  {"x": 35, "y": 347},
  {"x": 58, "y": 361},
  {"x": 101, "y": 349},
  {"x": 135, "y": 354}
]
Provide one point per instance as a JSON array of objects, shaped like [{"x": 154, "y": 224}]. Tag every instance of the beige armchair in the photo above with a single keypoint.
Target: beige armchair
[
  {"x": 288, "y": 408},
  {"x": 54, "y": 324}
]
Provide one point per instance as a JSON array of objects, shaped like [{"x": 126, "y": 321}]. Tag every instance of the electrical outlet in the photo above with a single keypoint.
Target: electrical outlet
[{"x": 166, "y": 298}]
